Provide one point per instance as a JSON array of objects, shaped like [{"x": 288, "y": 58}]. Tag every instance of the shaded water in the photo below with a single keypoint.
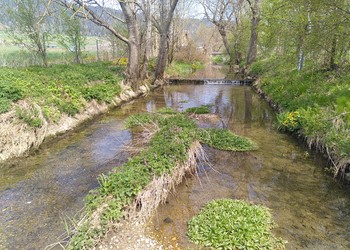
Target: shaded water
[{"x": 313, "y": 212}]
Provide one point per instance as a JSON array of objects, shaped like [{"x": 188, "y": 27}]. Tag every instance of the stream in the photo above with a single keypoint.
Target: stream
[{"x": 40, "y": 192}]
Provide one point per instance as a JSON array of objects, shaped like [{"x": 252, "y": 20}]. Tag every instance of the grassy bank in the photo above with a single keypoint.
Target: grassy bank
[
  {"x": 182, "y": 69},
  {"x": 57, "y": 89},
  {"x": 139, "y": 185},
  {"x": 315, "y": 103}
]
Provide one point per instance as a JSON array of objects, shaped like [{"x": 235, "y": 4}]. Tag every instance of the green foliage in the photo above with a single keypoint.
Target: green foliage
[
  {"x": 60, "y": 88},
  {"x": 289, "y": 121},
  {"x": 102, "y": 92},
  {"x": 315, "y": 102},
  {"x": 167, "y": 111},
  {"x": 182, "y": 69},
  {"x": 5, "y": 105},
  {"x": 9, "y": 92},
  {"x": 225, "y": 140},
  {"x": 167, "y": 148},
  {"x": 30, "y": 116},
  {"x": 220, "y": 60},
  {"x": 205, "y": 109},
  {"x": 233, "y": 224}
]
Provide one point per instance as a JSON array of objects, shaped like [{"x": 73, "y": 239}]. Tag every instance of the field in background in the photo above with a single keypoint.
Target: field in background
[{"x": 17, "y": 56}]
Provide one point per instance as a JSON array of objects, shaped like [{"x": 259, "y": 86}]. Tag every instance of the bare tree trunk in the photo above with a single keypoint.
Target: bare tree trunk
[
  {"x": 162, "y": 57},
  {"x": 223, "y": 33},
  {"x": 133, "y": 69},
  {"x": 253, "y": 43},
  {"x": 147, "y": 39},
  {"x": 163, "y": 28}
]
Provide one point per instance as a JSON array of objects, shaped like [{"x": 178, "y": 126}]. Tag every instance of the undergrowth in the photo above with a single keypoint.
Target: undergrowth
[
  {"x": 168, "y": 148},
  {"x": 315, "y": 103},
  {"x": 233, "y": 224},
  {"x": 59, "y": 89}
]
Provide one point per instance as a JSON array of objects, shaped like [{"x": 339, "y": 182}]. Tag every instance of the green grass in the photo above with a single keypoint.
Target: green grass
[
  {"x": 199, "y": 110},
  {"x": 59, "y": 88},
  {"x": 315, "y": 102},
  {"x": 181, "y": 69},
  {"x": 233, "y": 224},
  {"x": 168, "y": 148},
  {"x": 225, "y": 140}
]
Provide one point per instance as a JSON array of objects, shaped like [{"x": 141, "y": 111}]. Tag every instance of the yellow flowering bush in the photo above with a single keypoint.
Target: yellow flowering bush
[{"x": 289, "y": 121}]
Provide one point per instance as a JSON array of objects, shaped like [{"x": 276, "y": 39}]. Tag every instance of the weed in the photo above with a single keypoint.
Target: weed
[
  {"x": 233, "y": 224},
  {"x": 30, "y": 116},
  {"x": 205, "y": 109},
  {"x": 225, "y": 140},
  {"x": 168, "y": 148}
]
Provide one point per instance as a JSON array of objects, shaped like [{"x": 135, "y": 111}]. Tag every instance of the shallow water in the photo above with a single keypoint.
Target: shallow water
[{"x": 312, "y": 211}]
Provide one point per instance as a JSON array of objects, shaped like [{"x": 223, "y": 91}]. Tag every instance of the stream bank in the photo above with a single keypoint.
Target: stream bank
[{"x": 17, "y": 138}]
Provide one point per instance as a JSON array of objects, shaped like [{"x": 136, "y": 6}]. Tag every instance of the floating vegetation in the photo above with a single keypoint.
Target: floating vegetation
[{"x": 233, "y": 224}]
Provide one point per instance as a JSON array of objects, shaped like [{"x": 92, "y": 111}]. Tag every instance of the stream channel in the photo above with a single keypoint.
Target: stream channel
[{"x": 312, "y": 211}]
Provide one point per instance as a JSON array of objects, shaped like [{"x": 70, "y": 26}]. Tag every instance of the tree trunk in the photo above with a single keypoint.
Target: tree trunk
[
  {"x": 133, "y": 67},
  {"x": 222, "y": 31},
  {"x": 162, "y": 56},
  {"x": 147, "y": 40},
  {"x": 163, "y": 28},
  {"x": 253, "y": 43}
]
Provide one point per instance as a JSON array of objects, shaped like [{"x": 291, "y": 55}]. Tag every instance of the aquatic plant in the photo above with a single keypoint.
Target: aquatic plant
[
  {"x": 147, "y": 177},
  {"x": 233, "y": 224},
  {"x": 205, "y": 109},
  {"x": 225, "y": 140}
]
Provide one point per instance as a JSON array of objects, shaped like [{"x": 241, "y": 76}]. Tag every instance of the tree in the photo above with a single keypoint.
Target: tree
[
  {"x": 71, "y": 33},
  {"x": 220, "y": 13},
  {"x": 165, "y": 16},
  {"x": 29, "y": 26},
  {"x": 106, "y": 18},
  {"x": 253, "y": 43}
]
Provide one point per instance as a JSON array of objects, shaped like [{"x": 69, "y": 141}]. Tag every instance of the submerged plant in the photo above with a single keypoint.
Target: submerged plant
[{"x": 233, "y": 224}]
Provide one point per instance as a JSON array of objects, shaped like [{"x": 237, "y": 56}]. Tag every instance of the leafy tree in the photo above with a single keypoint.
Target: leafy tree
[
  {"x": 28, "y": 25},
  {"x": 71, "y": 33}
]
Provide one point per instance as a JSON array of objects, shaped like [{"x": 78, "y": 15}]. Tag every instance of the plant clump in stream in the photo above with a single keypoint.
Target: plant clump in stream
[
  {"x": 233, "y": 224},
  {"x": 168, "y": 149}
]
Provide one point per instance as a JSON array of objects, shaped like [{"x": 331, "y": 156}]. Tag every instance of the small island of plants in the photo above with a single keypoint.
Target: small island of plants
[{"x": 233, "y": 224}]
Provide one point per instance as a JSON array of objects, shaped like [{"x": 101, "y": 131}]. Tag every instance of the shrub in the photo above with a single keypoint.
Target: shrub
[{"x": 233, "y": 224}]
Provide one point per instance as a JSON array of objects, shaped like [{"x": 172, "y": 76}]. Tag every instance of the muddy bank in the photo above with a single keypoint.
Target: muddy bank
[{"x": 17, "y": 138}]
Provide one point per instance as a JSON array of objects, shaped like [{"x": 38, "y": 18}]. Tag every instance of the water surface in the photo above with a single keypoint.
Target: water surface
[{"x": 311, "y": 210}]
